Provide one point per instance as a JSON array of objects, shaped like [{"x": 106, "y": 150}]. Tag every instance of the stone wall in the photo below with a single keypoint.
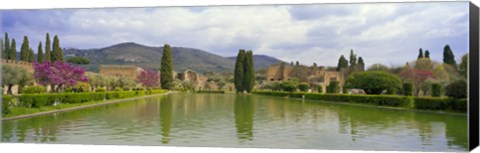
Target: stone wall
[
  {"x": 25, "y": 65},
  {"x": 283, "y": 72},
  {"x": 129, "y": 71}
]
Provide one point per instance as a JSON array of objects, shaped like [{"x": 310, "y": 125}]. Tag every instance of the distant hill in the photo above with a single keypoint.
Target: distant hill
[{"x": 150, "y": 57}]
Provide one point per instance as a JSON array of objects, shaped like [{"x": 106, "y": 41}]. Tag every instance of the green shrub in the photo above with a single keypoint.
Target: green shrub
[
  {"x": 33, "y": 90},
  {"x": 118, "y": 89},
  {"x": 6, "y": 100},
  {"x": 408, "y": 89},
  {"x": 459, "y": 104},
  {"x": 126, "y": 89},
  {"x": 320, "y": 89},
  {"x": 101, "y": 89},
  {"x": 303, "y": 86},
  {"x": 333, "y": 87},
  {"x": 82, "y": 87},
  {"x": 457, "y": 89},
  {"x": 391, "y": 91},
  {"x": 373, "y": 82},
  {"x": 289, "y": 86},
  {"x": 436, "y": 90}
]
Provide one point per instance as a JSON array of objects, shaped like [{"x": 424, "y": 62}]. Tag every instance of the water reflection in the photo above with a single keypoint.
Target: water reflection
[
  {"x": 255, "y": 121},
  {"x": 166, "y": 111},
  {"x": 243, "y": 109}
]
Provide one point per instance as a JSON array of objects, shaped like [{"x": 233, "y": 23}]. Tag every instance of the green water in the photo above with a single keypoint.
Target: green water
[{"x": 231, "y": 120}]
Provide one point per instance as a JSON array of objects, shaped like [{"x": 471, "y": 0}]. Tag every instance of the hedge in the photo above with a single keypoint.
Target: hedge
[
  {"x": 431, "y": 103},
  {"x": 211, "y": 91},
  {"x": 384, "y": 100},
  {"x": 6, "y": 103},
  {"x": 426, "y": 103},
  {"x": 40, "y": 100}
]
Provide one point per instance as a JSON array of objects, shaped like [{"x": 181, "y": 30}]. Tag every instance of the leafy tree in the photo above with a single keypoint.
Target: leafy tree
[
  {"x": 303, "y": 86},
  {"x": 57, "y": 53},
  {"x": 457, "y": 89},
  {"x": 48, "y": 49},
  {"x": 78, "y": 60},
  {"x": 424, "y": 64},
  {"x": 353, "y": 59},
  {"x": 24, "y": 50},
  {"x": 427, "y": 54},
  {"x": 40, "y": 53},
  {"x": 408, "y": 89},
  {"x": 239, "y": 72},
  {"x": 31, "y": 56},
  {"x": 342, "y": 63},
  {"x": 448, "y": 56},
  {"x": 59, "y": 73},
  {"x": 420, "y": 54},
  {"x": 436, "y": 89},
  {"x": 13, "y": 50},
  {"x": 125, "y": 82},
  {"x": 361, "y": 64},
  {"x": 417, "y": 77},
  {"x": 149, "y": 78},
  {"x": 6, "y": 51},
  {"x": 289, "y": 86},
  {"x": 297, "y": 63},
  {"x": 249, "y": 72},
  {"x": 373, "y": 82},
  {"x": 464, "y": 66},
  {"x": 166, "y": 68},
  {"x": 15, "y": 76},
  {"x": 333, "y": 87},
  {"x": 378, "y": 67}
]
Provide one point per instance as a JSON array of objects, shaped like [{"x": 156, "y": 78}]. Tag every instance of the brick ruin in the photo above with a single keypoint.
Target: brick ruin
[{"x": 314, "y": 75}]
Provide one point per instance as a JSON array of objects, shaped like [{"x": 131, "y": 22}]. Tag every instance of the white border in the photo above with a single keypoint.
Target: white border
[{"x": 47, "y": 4}]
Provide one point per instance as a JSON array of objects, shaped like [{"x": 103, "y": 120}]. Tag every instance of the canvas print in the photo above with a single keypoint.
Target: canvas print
[{"x": 359, "y": 76}]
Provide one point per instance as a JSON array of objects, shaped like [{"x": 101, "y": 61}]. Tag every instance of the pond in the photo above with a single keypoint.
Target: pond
[{"x": 235, "y": 120}]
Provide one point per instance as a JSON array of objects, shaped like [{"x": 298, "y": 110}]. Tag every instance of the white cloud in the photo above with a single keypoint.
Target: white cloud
[{"x": 380, "y": 33}]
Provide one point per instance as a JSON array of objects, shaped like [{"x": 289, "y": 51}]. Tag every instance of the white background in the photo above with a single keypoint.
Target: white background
[{"x": 36, "y": 4}]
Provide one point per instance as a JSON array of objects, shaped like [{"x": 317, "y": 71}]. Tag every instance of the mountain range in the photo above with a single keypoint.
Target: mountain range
[{"x": 149, "y": 57}]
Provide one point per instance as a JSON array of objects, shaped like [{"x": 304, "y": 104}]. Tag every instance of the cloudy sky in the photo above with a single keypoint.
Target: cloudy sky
[{"x": 387, "y": 33}]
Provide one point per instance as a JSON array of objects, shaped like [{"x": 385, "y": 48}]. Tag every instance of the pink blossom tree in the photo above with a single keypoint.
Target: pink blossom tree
[
  {"x": 149, "y": 78},
  {"x": 58, "y": 74}
]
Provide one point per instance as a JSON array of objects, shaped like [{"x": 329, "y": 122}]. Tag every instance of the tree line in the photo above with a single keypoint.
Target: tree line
[{"x": 51, "y": 54}]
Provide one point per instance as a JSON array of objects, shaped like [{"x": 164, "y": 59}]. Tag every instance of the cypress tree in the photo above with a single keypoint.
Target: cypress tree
[
  {"x": 342, "y": 63},
  {"x": 48, "y": 50},
  {"x": 2, "y": 50},
  {"x": 353, "y": 59},
  {"x": 24, "y": 50},
  {"x": 7, "y": 47},
  {"x": 13, "y": 50},
  {"x": 427, "y": 54},
  {"x": 239, "y": 72},
  {"x": 40, "y": 53},
  {"x": 361, "y": 64},
  {"x": 297, "y": 63},
  {"x": 31, "y": 56},
  {"x": 57, "y": 53},
  {"x": 166, "y": 68},
  {"x": 448, "y": 56},
  {"x": 420, "y": 54},
  {"x": 249, "y": 72},
  {"x": 291, "y": 63}
]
